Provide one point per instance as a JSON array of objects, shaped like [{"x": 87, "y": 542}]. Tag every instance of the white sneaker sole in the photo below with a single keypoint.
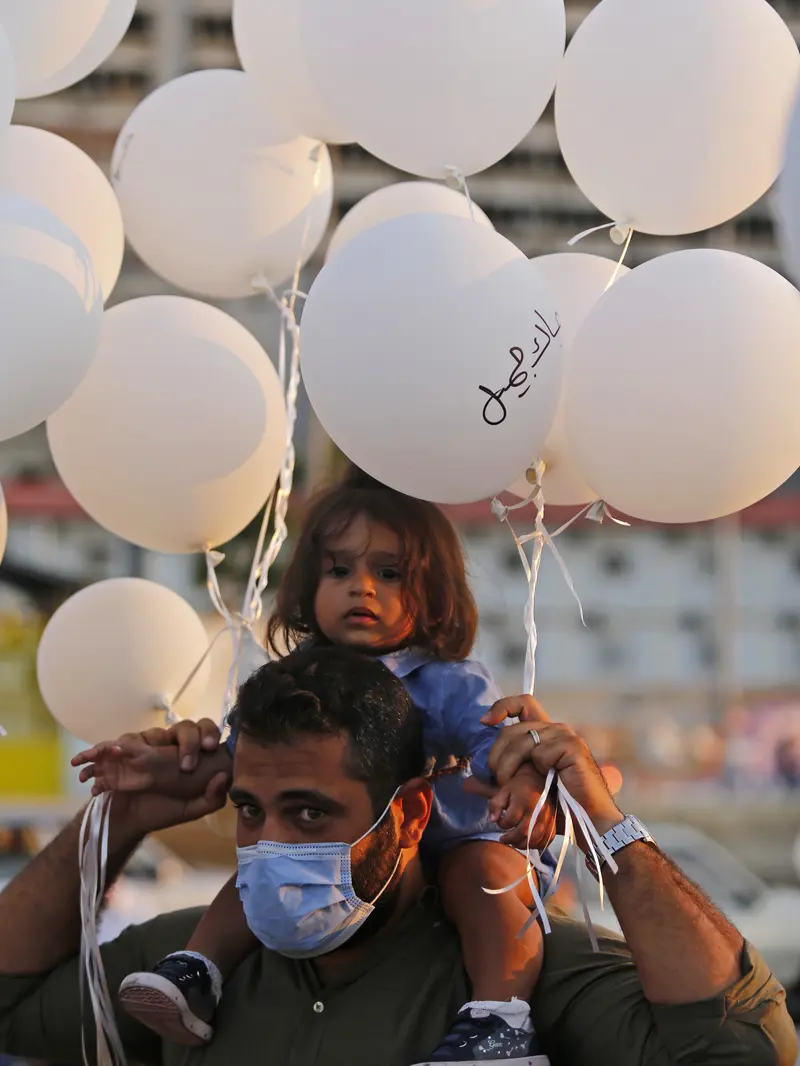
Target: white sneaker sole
[
  {"x": 157, "y": 1003},
  {"x": 528, "y": 1060}
]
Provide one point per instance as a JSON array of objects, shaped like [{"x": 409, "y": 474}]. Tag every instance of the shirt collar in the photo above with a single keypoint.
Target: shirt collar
[{"x": 406, "y": 661}]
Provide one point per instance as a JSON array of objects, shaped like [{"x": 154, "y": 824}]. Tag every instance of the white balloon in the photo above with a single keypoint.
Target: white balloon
[
  {"x": 53, "y": 172},
  {"x": 268, "y": 39},
  {"x": 46, "y": 35},
  {"x": 116, "y": 650},
  {"x": 208, "y": 201},
  {"x": 396, "y": 201},
  {"x": 8, "y": 81},
  {"x": 112, "y": 27},
  {"x": 175, "y": 438},
  {"x": 671, "y": 113},
  {"x": 425, "y": 86},
  {"x": 576, "y": 282},
  {"x": 681, "y": 400},
  {"x": 429, "y": 359},
  {"x": 51, "y": 310},
  {"x": 3, "y": 524}
]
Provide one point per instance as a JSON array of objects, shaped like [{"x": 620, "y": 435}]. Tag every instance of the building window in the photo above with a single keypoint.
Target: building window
[
  {"x": 707, "y": 654},
  {"x": 514, "y": 654},
  {"x": 615, "y": 564},
  {"x": 596, "y": 621},
  {"x": 788, "y": 622},
  {"x": 611, "y": 656}
]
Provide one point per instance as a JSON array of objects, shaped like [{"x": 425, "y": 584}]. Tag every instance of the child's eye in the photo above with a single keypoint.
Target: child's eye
[
  {"x": 337, "y": 570},
  {"x": 389, "y": 573}
]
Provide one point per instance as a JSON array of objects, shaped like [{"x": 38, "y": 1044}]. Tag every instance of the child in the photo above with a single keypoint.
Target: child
[{"x": 383, "y": 573}]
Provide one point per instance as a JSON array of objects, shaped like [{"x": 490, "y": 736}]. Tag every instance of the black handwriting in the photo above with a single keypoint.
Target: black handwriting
[{"x": 495, "y": 411}]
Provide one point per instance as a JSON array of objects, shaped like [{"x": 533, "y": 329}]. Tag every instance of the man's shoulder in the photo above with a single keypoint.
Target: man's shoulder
[{"x": 161, "y": 935}]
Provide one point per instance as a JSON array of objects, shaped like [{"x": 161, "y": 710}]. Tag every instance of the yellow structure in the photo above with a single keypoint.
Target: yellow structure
[{"x": 31, "y": 755}]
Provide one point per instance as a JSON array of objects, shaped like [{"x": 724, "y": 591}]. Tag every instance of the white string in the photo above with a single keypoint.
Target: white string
[
  {"x": 572, "y": 811},
  {"x": 456, "y": 179},
  {"x": 263, "y": 561},
  {"x": 94, "y": 833},
  {"x": 617, "y": 234},
  {"x": 93, "y": 865},
  {"x": 625, "y": 248}
]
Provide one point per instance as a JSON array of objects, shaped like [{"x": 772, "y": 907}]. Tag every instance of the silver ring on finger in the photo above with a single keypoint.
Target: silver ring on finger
[{"x": 534, "y": 735}]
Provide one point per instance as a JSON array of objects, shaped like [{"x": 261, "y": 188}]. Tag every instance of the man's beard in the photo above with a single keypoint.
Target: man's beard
[{"x": 371, "y": 876}]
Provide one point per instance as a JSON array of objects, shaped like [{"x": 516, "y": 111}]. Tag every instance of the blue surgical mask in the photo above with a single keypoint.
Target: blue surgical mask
[{"x": 299, "y": 899}]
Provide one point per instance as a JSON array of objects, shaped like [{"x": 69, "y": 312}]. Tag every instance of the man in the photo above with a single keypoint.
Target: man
[{"x": 310, "y": 766}]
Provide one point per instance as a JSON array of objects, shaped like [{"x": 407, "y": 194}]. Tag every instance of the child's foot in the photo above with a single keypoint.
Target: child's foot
[
  {"x": 177, "y": 999},
  {"x": 485, "y": 1033}
]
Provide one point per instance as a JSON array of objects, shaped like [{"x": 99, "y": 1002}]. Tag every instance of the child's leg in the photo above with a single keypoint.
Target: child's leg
[
  {"x": 500, "y": 964},
  {"x": 494, "y": 1028},
  {"x": 223, "y": 935},
  {"x": 179, "y": 997}
]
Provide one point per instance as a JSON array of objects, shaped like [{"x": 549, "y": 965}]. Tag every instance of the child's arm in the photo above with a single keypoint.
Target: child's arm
[
  {"x": 174, "y": 762},
  {"x": 469, "y": 695}
]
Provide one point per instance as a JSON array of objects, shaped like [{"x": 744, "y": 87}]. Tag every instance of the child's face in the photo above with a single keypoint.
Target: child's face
[{"x": 359, "y": 602}]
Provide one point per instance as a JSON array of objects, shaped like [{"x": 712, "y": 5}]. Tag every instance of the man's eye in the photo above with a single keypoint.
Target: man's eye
[
  {"x": 310, "y": 815},
  {"x": 248, "y": 811}
]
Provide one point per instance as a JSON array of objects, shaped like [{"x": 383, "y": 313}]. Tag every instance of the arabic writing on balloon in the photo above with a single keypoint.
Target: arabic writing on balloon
[{"x": 495, "y": 411}]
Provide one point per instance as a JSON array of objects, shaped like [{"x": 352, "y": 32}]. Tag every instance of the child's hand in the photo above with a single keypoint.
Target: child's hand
[
  {"x": 518, "y": 708},
  {"x": 153, "y": 760},
  {"x": 512, "y": 805}
]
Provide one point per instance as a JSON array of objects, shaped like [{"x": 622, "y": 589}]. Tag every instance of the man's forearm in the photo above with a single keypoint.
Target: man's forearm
[
  {"x": 40, "y": 909},
  {"x": 684, "y": 949}
]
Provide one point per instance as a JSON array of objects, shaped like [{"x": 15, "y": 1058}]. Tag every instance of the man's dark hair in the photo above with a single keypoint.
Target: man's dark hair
[
  {"x": 435, "y": 589},
  {"x": 326, "y": 691}
]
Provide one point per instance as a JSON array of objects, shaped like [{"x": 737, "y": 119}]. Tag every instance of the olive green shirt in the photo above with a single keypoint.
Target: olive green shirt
[{"x": 395, "y": 1003}]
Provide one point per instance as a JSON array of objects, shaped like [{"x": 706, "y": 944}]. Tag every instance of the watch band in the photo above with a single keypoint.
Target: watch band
[{"x": 629, "y": 830}]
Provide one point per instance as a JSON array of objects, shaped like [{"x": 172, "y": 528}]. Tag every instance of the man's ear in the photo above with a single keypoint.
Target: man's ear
[{"x": 416, "y": 799}]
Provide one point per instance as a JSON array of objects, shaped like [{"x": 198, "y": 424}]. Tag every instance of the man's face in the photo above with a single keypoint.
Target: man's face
[{"x": 301, "y": 793}]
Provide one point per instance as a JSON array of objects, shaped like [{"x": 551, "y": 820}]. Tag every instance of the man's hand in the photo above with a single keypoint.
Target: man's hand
[
  {"x": 561, "y": 749},
  {"x": 135, "y": 815}
]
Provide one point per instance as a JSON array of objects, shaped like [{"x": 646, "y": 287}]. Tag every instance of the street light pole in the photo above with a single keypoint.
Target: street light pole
[
  {"x": 173, "y": 40},
  {"x": 727, "y": 550}
]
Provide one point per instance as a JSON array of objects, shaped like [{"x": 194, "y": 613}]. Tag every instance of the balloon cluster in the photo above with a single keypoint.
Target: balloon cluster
[
  {"x": 448, "y": 366},
  {"x": 437, "y": 356}
]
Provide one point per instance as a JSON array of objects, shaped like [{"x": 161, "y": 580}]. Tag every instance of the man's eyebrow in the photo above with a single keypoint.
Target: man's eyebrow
[
  {"x": 240, "y": 796},
  {"x": 312, "y": 798}
]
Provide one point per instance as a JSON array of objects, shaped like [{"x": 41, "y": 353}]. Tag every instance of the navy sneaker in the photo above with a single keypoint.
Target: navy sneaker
[
  {"x": 479, "y": 1038},
  {"x": 177, "y": 999}
]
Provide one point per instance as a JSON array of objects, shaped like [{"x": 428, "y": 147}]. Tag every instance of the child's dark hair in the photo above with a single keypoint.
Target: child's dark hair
[{"x": 435, "y": 589}]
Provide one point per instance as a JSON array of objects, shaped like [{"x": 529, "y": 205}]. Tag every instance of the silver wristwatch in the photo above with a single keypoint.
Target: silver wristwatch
[{"x": 627, "y": 832}]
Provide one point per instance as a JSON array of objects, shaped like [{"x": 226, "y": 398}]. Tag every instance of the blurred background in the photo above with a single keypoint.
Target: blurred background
[{"x": 686, "y": 677}]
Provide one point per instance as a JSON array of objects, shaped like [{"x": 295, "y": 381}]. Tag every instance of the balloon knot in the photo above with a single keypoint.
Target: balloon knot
[{"x": 499, "y": 510}]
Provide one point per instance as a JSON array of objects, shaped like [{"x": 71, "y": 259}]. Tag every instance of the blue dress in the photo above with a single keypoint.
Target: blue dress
[{"x": 453, "y": 697}]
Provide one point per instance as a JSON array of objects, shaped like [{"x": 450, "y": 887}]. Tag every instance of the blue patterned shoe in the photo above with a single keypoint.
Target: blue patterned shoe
[{"x": 480, "y": 1038}]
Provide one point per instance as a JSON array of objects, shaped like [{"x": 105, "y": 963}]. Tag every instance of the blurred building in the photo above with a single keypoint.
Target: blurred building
[{"x": 679, "y": 622}]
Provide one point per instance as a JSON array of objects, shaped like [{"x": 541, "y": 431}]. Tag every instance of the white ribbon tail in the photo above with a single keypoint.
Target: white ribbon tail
[
  {"x": 530, "y": 866},
  {"x": 93, "y": 865}
]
